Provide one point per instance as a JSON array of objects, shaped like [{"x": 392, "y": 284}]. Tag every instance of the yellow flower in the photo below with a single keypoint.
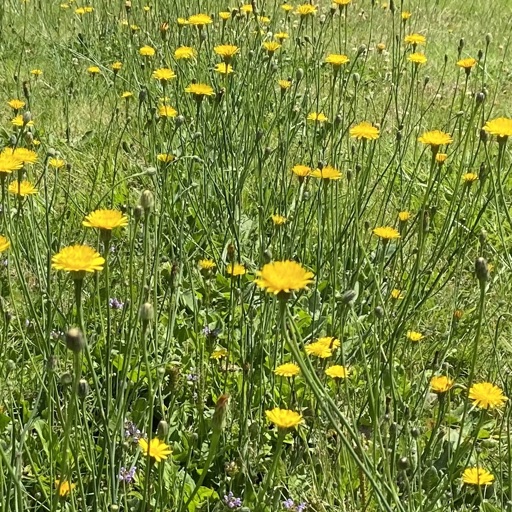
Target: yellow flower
[
  {"x": 336, "y": 60},
  {"x": 4, "y": 244},
  {"x": 329, "y": 342},
  {"x": 165, "y": 158},
  {"x": 281, "y": 36},
  {"x": 414, "y": 336},
  {"x": 18, "y": 121},
  {"x": 134, "y": 28},
  {"x": 199, "y": 20},
  {"x": 224, "y": 15},
  {"x": 365, "y": 131},
  {"x": 342, "y": 3},
  {"x": 223, "y": 68},
  {"x": 147, "y": 51},
  {"x": 23, "y": 189},
  {"x": 284, "y": 84},
  {"x": 386, "y": 233},
  {"x": 226, "y": 51},
  {"x": 64, "y": 488},
  {"x": 36, "y": 72},
  {"x": 287, "y": 370},
  {"x": 301, "y": 170},
  {"x": 469, "y": 178},
  {"x": 287, "y": 7},
  {"x": 271, "y": 46},
  {"x": 284, "y": 418},
  {"x": 200, "y": 90},
  {"x": 327, "y": 173},
  {"x": 440, "y": 384},
  {"x": 263, "y": 19},
  {"x": 167, "y": 111},
  {"x": 93, "y": 70},
  {"x": 441, "y": 158},
  {"x": 78, "y": 258},
  {"x": 236, "y": 269},
  {"x": 182, "y": 22},
  {"x": 337, "y": 372},
  {"x": 417, "y": 58},
  {"x": 219, "y": 353},
  {"x": 406, "y": 15},
  {"x": 27, "y": 156},
  {"x": 467, "y": 64},
  {"x": 477, "y": 476},
  {"x": 305, "y": 9},
  {"x": 9, "y": 163},
  {"x": 396, "y": 294},
  {"x": 89, "y": 9},
  {"x": 283, "y": 277},
  {"x": 486, "y": 395},
  {"x": 404, "y": 216},
  {"x": 246, "y": 8},
  {"x": 319, "y": 350},
  {"x": 16, "y": 104},
  {"x": 80, "y": 11},
  {"x": 105, "y": 219},
  {"x": 501, "y": 127},
  {"x": 381, "y": 47},
  {"x": 278, "y": 220},
  {"x": 155, "y": 449},
  {"x": 435, "y": 138},
  {"x": 206, "y": 264},
  {"x": 116, "y": 66},
  {"x": 317, "y": 117},
  {"x": 164, "y": 74},
  {"x": 415, "y": 39},
  {"x": 184, "y": 52},
  {"x": 56, "y": 163},
  {"x": 127, "y": 95}
]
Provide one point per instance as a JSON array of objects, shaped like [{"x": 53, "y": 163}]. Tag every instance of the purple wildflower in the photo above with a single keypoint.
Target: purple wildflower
[
  {"x": 211, "y": 333},
  {"x": 231, "y": 501},
  {"x": 288, "y": 504},
  {"x": 131, "y": 431},
  {"x": 127, "y": 475},
  {"x": 115, "y": 303},
  {"x": 302, "y": 506}
]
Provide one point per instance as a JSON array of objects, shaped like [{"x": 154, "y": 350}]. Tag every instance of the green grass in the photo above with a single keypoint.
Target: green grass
[{"x": 380, "y": 439}]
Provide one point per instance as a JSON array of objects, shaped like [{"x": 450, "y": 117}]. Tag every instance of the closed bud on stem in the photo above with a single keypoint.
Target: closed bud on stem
[
  {"x": 348, "y": 297},
  {"x": 75, "y": 340},
  {"x": 147, "y": 200},
  {"x": 162, "y": 429},
  {"x": 219, "y": 416},
  {"x": 83, "y": 388},
  {"x": 146, "y": 312},
  {"x": 488, "y": 38},
  {"x": 481, "y": 270},
  {"x": 137, "y": 212},
  {"x": 299, "y": 74},
  {"x": 27, "y": 117}
]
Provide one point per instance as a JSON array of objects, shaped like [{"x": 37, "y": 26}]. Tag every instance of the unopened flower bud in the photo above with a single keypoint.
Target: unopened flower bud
[
  {"x": 147, "y": 200},
  {"x": 219, "y": 416},
  {"x": 481, "y": 270},
  {"x": 361, "y": 49},
  {"x": 348, "y": 297},
  {"x": 66, "y": 379},
  {"x": 299, "y": 74},
  {"x": 488, "y": 38},
  {"x": 484, "y": 136},
  {"x": 356, "y": 77},
  {"x": 27, "y": 117},
  {"x": 379, "y": 312},
  {"x": 163, "y": 429},
  {"x": 137, "y": 212},
  {"x": 75, "y": 340},
  {"x": 480, "y": 98},
  {"x": 146, "y": 312},
  {"x": 83, "y": 388}
]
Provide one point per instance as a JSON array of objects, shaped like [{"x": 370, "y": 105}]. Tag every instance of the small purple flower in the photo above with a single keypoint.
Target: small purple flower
[
  {"x": 116, "y": 304},
  {"x": 302, "y": 506},
  {"x": 288, "y": 504},
  {"x": 131, "y": 431},
  {"x": 211, "y": 333},
  {"x": 127, "y": 475},
  {"x": 231, "y": 501}
]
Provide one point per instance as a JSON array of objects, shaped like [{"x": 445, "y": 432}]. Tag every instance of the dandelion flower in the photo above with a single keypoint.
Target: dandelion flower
[
  {"x": 318, "y": 349},
  {"x": 64, "y": 488},
  {"x": 501, "y": 127},
  {"x": 56, "y": 163},
  {"x": 284, "y": 84},
  {"x": 200, "y": 20},
  {"x": 271, "y": 46},
  {"x": 23, "y": 189},
  {"x": 336, "y": 60},
  {"x": 206, "y": 264},
  {"x": 16, "y": 104},
  {"x": 284, "y": 418},
  {"x": 337, "y": 372},
  {"x": 477, "y": 476},
  {"x": 164, "y": 74},
  {"x": 78, "y": 258},
  {"x": 281, "y": 36},
  {"x": 342, "y": 3},
  {"x": 246, "y": 8},
  {"x": 301, "y": 170},
  {"x": 469, "y": 178},
  {"x": 278, "y": 220},
  {"x": 224, "y": 15},
  {"x": 4, "y": 244},
  {"x": 223, "y": 68},
  {"x": 417, "y": 58},
  {"x": 283, "y": 277},
  {"x": 200, "y": 90},
  {"x": 467, "y": 64},
  {"x": 116, "y": 66},
  {"x": 126, "y": 95},
  {"x": 317, "y": 117},
  {"x": 441, "y": 158},
  {"x": 287, "y": 370},
  {"x": 155, "y": 449},
  {"x": 184, "y": 52},
  {"x": 365, "y": 131},
  {"x": 305, "y": 10},
  {"x": 93, "y": 70},
  {"x": 327, "y": 173},
  {"x": 396, "y": 294},
  {"x": 226, "y": 51},
  {"x": 18, "y": 121},
  {"x": 36, "y": 72},
  {"x": 329, "y": 341},
  {"x": 167, "y": 111},
  {"x": 236, "y": 269},
  {"x": 415, "y": 39},
  {"x": 486, "y": 395},
  {"x": 404, "y": 216},
  {"x": 27, "y": 156},
  {"x": 405, "y": 15},
  {"x": 380, "y": 47},
  {"x": 441, "y": 384},
  {"x": 165, "y": 158},
  {"x": 147, "y": 51},
  {"x": 435, "y": 138},
  {"x": 105, "y": 219},
  {"x": 9, "y": 163},
  {"x": 386, "y": 233},
  {"x": 287, "y": 7},
  {"x": 182, "y": 22},
  {"x": 219, "y": 353}
]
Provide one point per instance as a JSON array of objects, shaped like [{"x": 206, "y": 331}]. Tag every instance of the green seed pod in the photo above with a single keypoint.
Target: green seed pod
[
  {"x": 146, "y": 312},
  {"x": 162, "y": 429},
  {"x": 75, "y": 340}
]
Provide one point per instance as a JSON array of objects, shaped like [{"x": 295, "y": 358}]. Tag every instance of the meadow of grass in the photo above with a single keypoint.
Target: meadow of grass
[{"x": 255, "y": 256}]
